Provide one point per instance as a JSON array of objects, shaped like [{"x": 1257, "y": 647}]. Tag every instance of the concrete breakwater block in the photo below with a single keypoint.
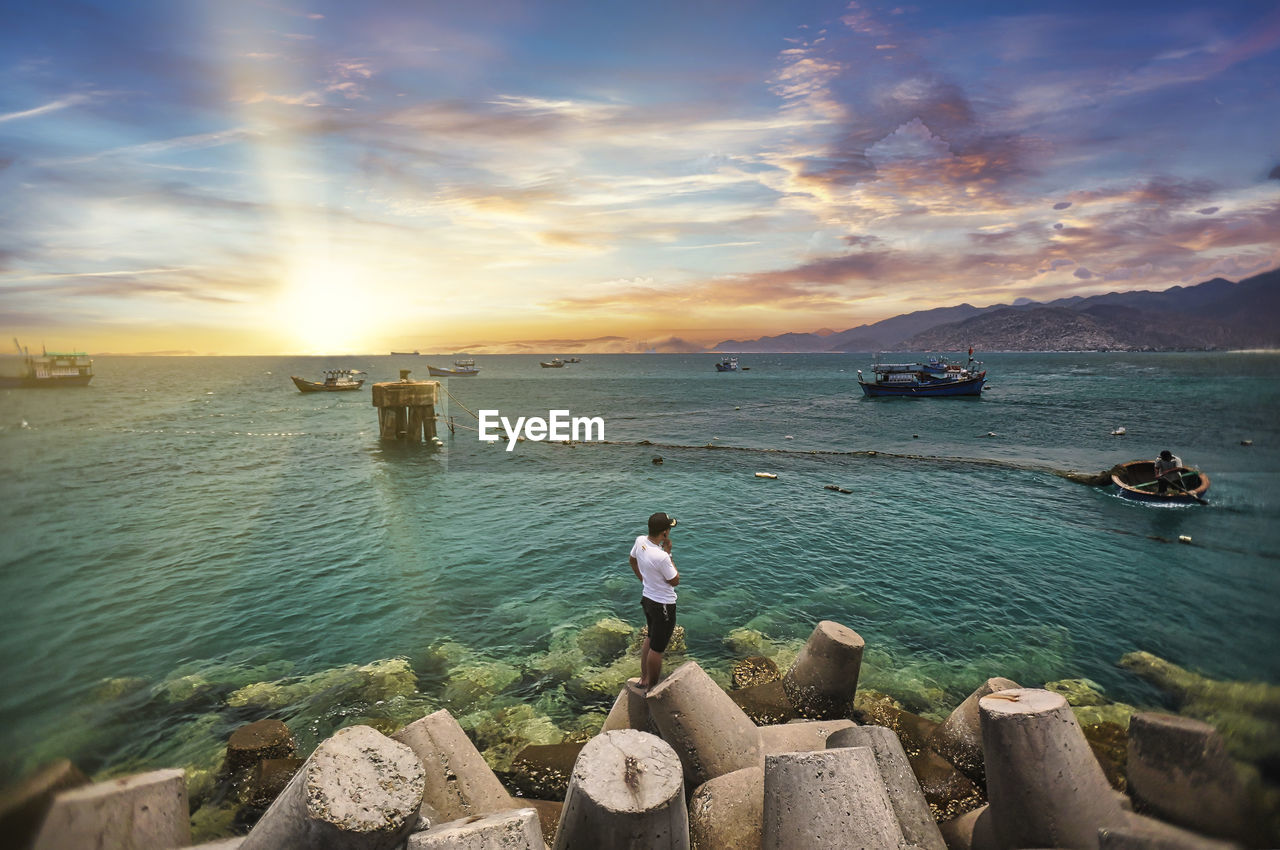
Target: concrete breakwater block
[
  {"x": 765, "y": 704},
  {"x": 629, "y": 711},
  {"x": 1179, "y": 770},
  {"x": 910, "y": 807},
  {"x": 543, "y": 770},
  {"x": 138, "y": 812},
  {"x": 1144, "y": 833},
  {"x": 458, "y": 781},
  {"x": 627, "y": 791},
  {"x": 708, "y": 731},
  {"x": 516, "y": 829},
  {"x": 359, "y": 790},
  {"x": 728, "y": 811},
  {"x": 959, "y": 738},
  {"x": 800, "y": 736},
  {"x": 824, "y": 678},
  {"x": 1044, "y": 785},
  {"x": 23, "y": 806},
  {"x": 970, "y": 831},
  {"x": 827, "y": 801}
]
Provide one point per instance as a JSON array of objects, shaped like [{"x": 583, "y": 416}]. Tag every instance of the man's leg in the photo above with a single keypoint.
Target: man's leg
[
  {"x": 652, "y": 670},
  {"x": 645, "y": 652}
]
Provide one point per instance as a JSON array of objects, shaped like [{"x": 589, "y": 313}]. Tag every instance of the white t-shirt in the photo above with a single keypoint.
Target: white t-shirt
[{"x": 655, "y": 568}]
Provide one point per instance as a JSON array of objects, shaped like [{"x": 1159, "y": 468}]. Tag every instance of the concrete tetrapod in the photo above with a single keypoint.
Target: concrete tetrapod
[
  {"x": 959, "y": 738},
  {"x": 627, "y": 793},
  {"x": 822, "y": 681},
  {"x": 829, "y": 800},
  {"x": 1178, "y": 769},
  {"x": 458, "y": 781},
  {"x": 909, "y": 803},
  {"x": 1044, "y": 785},
  {"x": 517, "y": 829},
  {"x": 706, "y": 728},
  {"x": 728, "y": 811},
  {"x": 359, "y": 790},
  {"x": 133, "y": 813},
  {"x": 629, "y": 710}
]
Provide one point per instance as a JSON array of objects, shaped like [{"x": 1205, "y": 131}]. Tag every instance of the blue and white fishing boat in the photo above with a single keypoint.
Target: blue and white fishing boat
[{"x": 937, "y": 377}]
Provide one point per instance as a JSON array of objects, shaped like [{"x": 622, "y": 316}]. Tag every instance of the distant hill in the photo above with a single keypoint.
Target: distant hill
[{"x": 1216, "y": 314}]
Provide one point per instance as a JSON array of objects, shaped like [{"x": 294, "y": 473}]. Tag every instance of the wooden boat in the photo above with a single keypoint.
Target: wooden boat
[
  {"x": 935, "y": 378},
  {"x": 728, "y": 364},
  {"x": 51, "y": 369},
  {"x": 553, "y": 363},
  {"x": 461, "y": 369},
  {"x": 1137, "y": 480},
  {"x": 335, "y": 380}
]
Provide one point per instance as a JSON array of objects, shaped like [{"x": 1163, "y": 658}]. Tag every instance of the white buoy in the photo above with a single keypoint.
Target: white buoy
[
  {"x": 788, "y": 437},
  {"x": 766, "y": 475},
  {"x": 1119, "y": 432},
  {"x": 1184, "y": 538}
]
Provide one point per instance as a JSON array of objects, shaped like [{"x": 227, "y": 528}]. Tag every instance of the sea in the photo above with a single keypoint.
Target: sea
[{"x": 190, "y": 543}]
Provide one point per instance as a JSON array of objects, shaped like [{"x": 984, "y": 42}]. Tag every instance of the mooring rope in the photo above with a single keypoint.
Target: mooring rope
[{"x": 460, "y": 404}]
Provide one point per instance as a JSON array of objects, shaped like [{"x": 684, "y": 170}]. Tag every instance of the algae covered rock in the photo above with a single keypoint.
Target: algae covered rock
[
  {"x": 755, "y": 670},
  {"x": 109, "y": 690},
  {"x": 604, "y": 640},
  {"x": 1247, "y": 714},
  {"x": 500, "y": 734},
  {"x": 1078, "y": 692},
  {"x": 477, "y": 682},
  {"x": 370, "y": 682},
  {"x": 748, "y": 642}
]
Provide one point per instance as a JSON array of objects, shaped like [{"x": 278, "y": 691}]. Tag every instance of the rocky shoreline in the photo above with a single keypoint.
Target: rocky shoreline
[{"x": 1218, "y": 755}]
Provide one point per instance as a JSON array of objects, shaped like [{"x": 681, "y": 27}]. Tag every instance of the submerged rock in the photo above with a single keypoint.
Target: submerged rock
[
  {"x": 113, "y": 689},
  {"x": 1247, "y": 714},
  {"x": 1078, "y": 692},
  {"x": 371, "y": 682},
  {"x": 502, "y": 733},
  {"x": 604, "y": 640}
]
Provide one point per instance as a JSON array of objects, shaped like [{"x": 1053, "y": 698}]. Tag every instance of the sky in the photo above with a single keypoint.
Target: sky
[{"x": 294, "y": 177}]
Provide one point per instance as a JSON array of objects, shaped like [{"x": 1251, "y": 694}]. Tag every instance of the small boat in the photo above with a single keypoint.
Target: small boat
[
  {"x": 728, "y": 364},
  {"x": 553, "y": 363},
  {"x": 51, "y": 369},
  {"x": 413, "y": 353},
  {"x": 461, "y": 369},
  {"x": 335, "y": 380},
  {"x": 936, "y": 377},
  {"x": 573, "y": 360},
  {"x": 1137, "y": 480}
]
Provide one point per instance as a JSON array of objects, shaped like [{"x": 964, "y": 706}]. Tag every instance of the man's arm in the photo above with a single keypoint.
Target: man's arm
[
  {"x": 675, "y": 580},
  {"x": 635, "y": 568}
]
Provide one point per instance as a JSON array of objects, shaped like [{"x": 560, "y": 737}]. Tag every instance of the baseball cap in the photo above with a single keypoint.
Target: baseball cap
[{"x": 660, "y": 522}]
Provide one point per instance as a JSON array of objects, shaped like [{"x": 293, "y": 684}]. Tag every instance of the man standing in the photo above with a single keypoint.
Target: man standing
[
  {"x": 1165, "y": 466},
  {"x": 652, "y": 564}
]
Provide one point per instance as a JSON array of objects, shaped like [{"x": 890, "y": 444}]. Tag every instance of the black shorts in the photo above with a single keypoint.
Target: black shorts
[{"x": 661, "y": 618}]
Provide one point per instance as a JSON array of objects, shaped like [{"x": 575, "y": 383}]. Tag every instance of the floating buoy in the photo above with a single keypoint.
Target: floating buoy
[
  {"x": 788, "y": 437},
  {"x": 657, "y": 460},
  {"x": 1184, "y": 538},
  {"x": 766, "y": 475},
  {"x": 1119, "y": 432},
  {"x": 1246, "y": 442},
  {"x": 737, "y": 408}
]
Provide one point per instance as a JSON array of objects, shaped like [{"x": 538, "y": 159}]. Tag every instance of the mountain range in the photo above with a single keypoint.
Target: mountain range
[{"x": 1213, "y": 315}]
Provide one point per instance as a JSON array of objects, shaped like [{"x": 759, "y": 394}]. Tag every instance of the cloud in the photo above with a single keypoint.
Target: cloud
[
  {"x": 52, "y": 106},
  {"x": 1208, "y": 210},
  {"x": 1062, "y": 205},
  {"x": 1082, "y": 273},
  {"x": 1274, "y": 174}
]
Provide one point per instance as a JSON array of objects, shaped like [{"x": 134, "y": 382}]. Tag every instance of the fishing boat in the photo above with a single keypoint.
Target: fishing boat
[
  {"x": 1137, "y": 480},
  {"x": 413, "y": 353},
  {"x": 461, "y": 369},
  {"x": 335, "y": 380},
  {"x": 728, "y": 364},
  {"x": 573, "y": 360},
  {"x": 933, "y": 378},
  {"x": 553, "y": 363},
  {"x": 51, "y": 369}
]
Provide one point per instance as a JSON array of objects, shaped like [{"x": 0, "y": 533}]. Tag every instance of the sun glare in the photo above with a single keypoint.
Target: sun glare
[{"x": 326, "y": 310}]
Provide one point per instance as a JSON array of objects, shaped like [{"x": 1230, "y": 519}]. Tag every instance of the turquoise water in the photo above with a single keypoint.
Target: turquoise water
[{"x": 200, "y": 518}]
